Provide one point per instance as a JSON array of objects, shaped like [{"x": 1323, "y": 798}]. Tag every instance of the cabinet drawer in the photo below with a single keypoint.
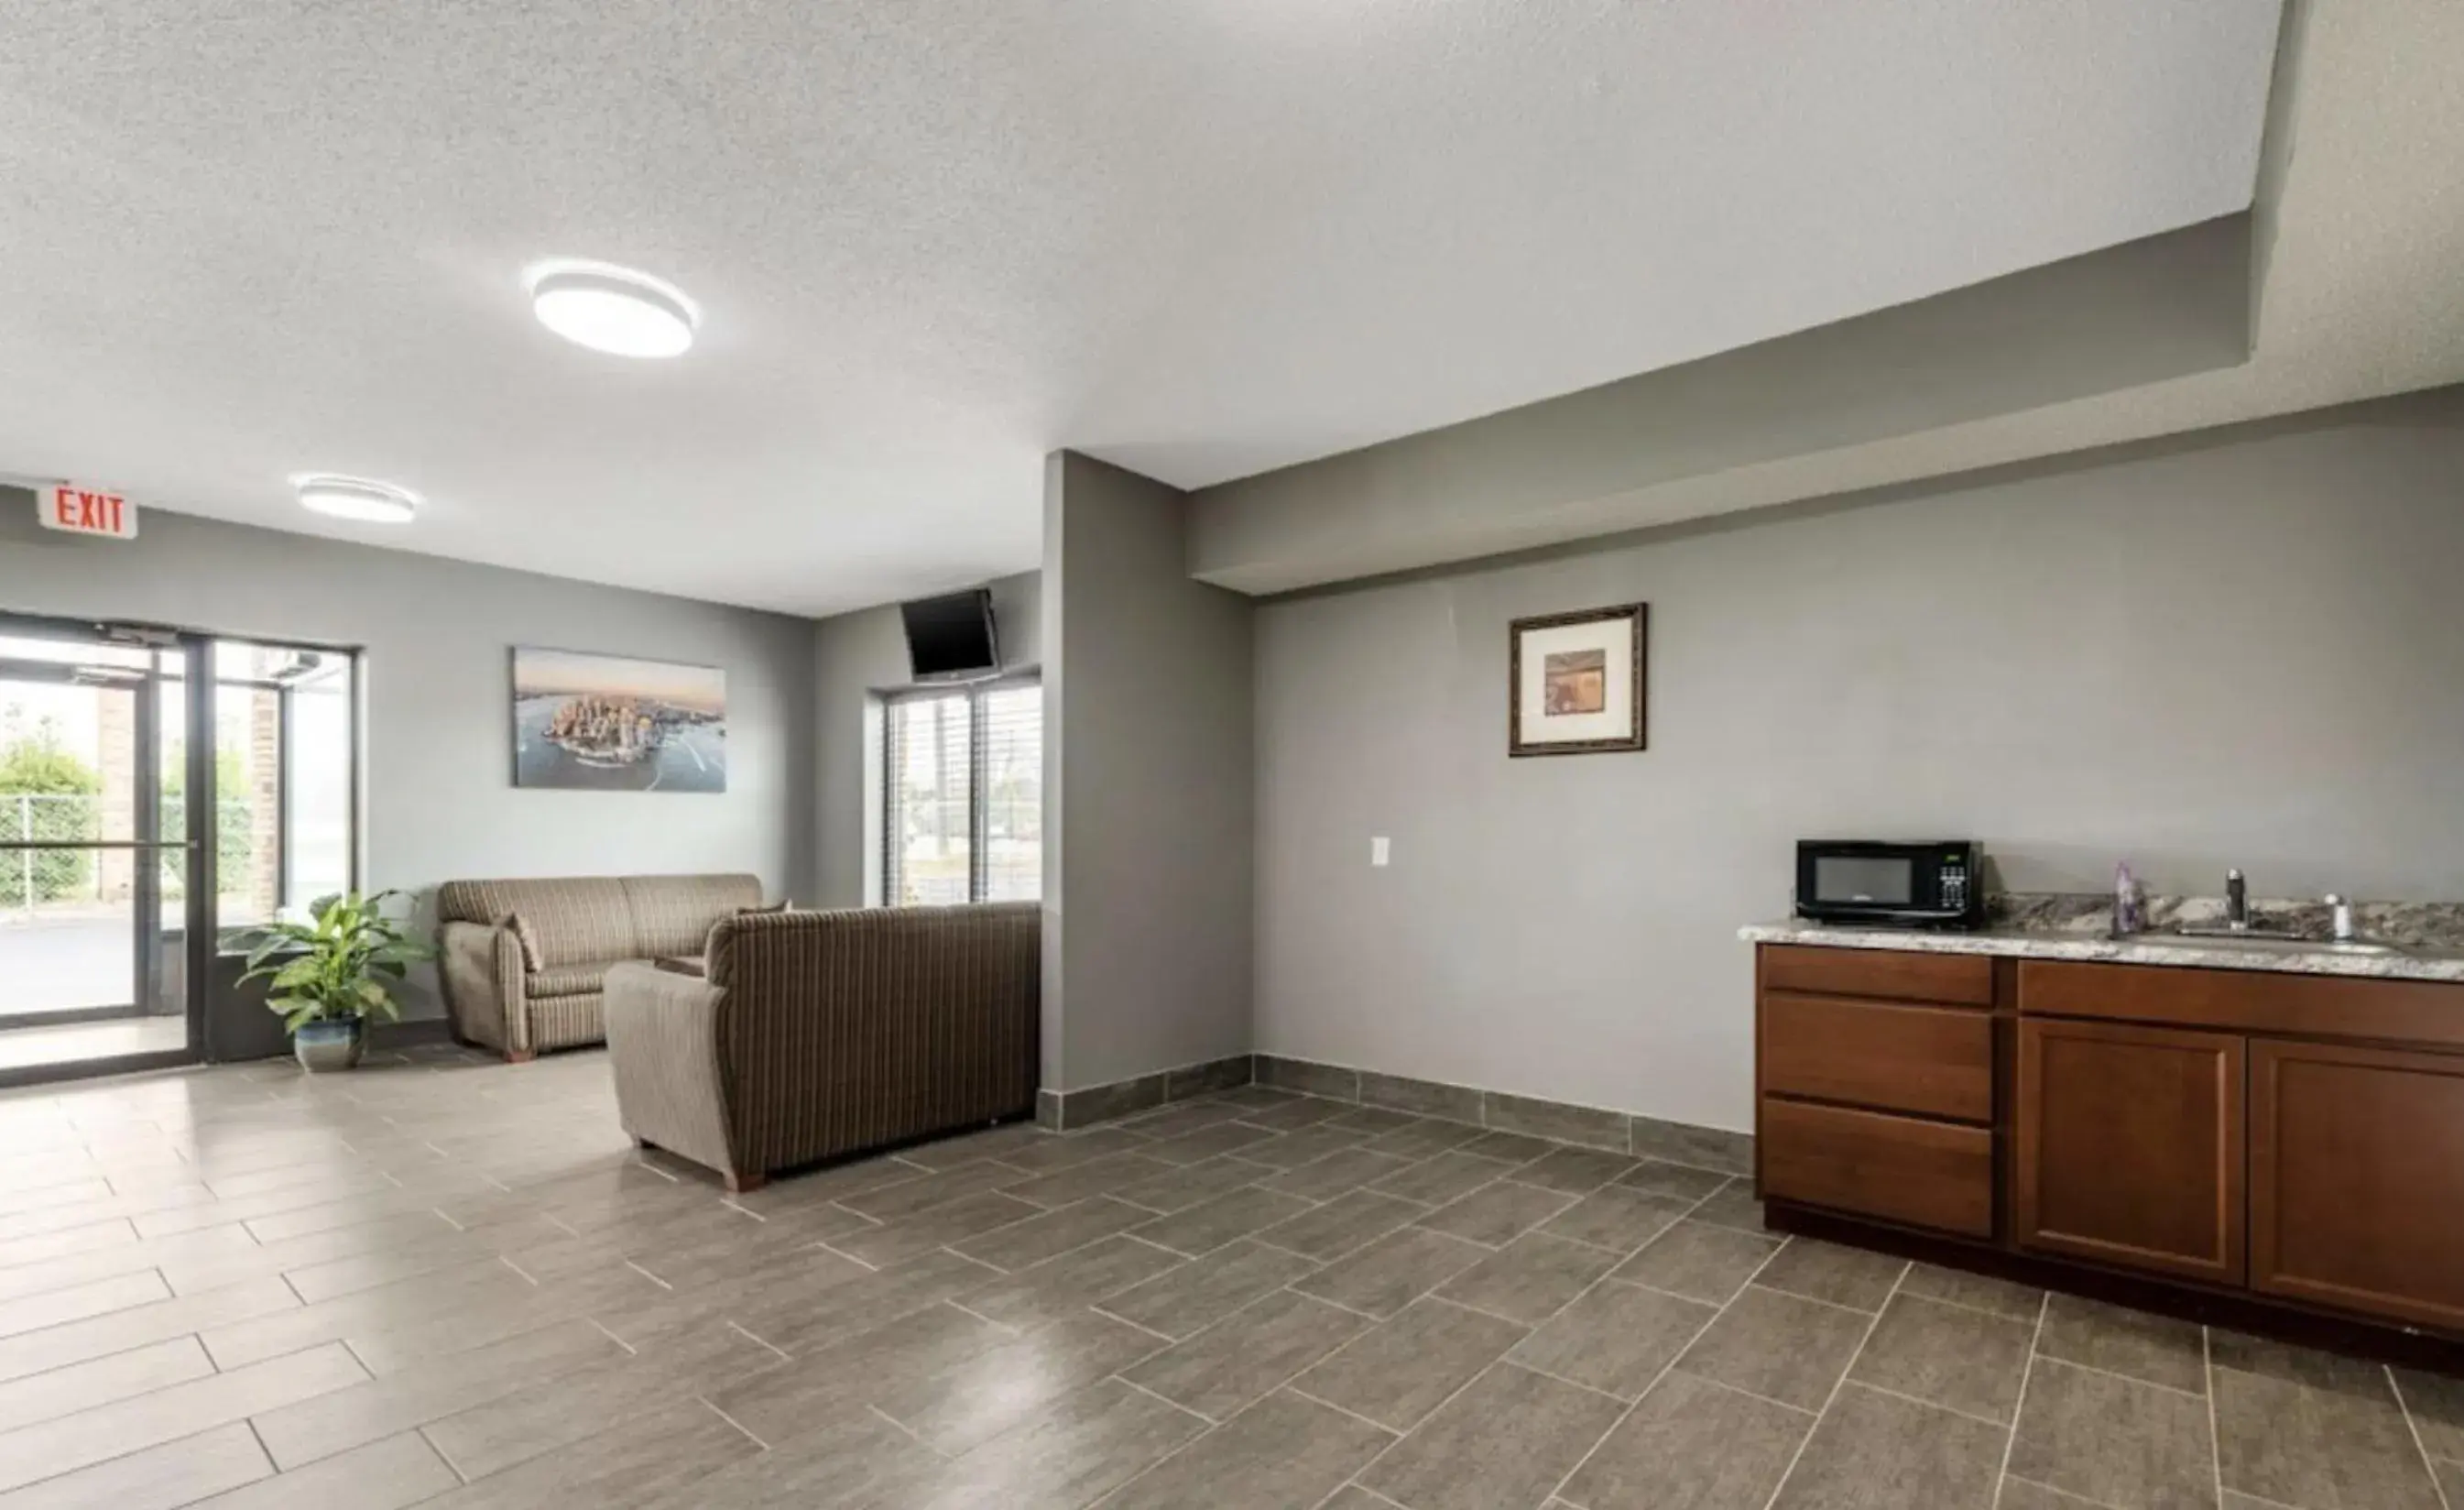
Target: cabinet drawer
[
  {"x": 1965, "y": 980},
  {"x": 2429, "y": 1013},
  {"x": 1933, "y": 1060},
  {"x": 1898, "y": 1168}
]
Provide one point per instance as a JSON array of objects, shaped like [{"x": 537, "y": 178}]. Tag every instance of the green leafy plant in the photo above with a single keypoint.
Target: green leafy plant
[
  {"x": 56, "y": 796},
  {"x": 334, "y": 966}
]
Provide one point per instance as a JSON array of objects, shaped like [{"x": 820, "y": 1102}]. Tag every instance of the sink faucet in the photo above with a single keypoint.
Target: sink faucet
[{"x": 2237, "y": 900}]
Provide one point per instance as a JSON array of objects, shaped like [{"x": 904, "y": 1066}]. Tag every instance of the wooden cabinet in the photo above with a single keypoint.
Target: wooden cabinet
[
  {"x": 2292, "y": 1139},
  {"x": 1876, "y": 1076},
  {"x": 2357, "y": 1179},
  {"x": 2130, "y": 1146}
]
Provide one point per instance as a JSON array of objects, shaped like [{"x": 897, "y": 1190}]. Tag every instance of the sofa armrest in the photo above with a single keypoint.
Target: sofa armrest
[
  {"x": 663, "y": 1046},
  {"x": 481, "y": 969}
]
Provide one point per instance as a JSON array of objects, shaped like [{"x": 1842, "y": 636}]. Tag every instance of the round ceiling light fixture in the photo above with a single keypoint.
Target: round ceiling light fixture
[
  {"x": 613, "y": 309},
  {"x": 357, "y": 499}
]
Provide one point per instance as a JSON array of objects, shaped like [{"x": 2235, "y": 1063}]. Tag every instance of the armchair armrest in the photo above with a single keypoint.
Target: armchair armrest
[
  {"x": 480, "y": 967},
  {"x": 663, "y": 1046}
]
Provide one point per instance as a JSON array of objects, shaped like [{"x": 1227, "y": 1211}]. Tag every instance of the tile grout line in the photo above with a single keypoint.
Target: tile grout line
[
  {"x": 1722, "y": 1384},
  {"x": 1623, "y": 1403},
  {"x": 1097, "y": 1306},
  {"x": 1129, "y": 1383},
  {"x": 953, "y": 1303},
  {"x": 1371, "y": 1316},
  {"x": 1526, "y": 1328},
  {"x": 2019, "y": 1407},
  {"x": 1871, "y": 1327},
  {"x": 2438, "y": 1486},
  {"x": 2091, "y": 1368},
  {"x": 1817, "y": 1299},
  {"x": 1558, "y": 1491},
  {"x": 270, "y": 1460},
  {"x": 2068, "y": 1497},
  {"x": 741, "y": 1331},
  {"x": 1341, "y": 1411},
  {"x": 734, "y": 1422},
  {"x": 1972, "y": 1310},
  {"x": 1930, "y": 1405}
]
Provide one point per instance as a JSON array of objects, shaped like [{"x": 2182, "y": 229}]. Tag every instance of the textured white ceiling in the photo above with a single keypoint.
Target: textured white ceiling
[
  {"x": 935, "y": 239},
  {"x": 2357, "y": 236}
]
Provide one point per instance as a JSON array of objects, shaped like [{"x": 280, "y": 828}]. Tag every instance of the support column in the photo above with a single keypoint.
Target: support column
[{"x": 1148, "y": 818}]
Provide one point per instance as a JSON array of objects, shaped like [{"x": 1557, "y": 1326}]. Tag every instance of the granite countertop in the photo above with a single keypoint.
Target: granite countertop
[{"x": 2056, "y": 934}]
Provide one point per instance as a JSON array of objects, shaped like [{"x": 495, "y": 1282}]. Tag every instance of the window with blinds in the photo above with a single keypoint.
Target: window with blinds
[{"x": 963, "y": 812}]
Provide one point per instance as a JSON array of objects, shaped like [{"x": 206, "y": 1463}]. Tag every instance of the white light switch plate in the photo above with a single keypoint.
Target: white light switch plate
[{"x": 1380, "y": 850}]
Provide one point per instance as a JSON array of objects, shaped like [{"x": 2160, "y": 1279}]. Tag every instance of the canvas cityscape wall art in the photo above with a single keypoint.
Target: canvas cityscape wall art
[{"x": 606, "y": 724}]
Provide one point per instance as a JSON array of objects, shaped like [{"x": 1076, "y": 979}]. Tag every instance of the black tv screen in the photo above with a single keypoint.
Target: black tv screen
[{"x": 951, "y": 637}]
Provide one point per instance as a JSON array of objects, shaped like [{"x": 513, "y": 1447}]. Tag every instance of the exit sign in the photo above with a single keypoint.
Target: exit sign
[{"x": 87, "y": 511}]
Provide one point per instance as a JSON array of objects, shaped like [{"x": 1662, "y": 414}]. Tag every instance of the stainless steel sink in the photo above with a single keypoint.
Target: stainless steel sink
[{"x": 2261, "y": 941}]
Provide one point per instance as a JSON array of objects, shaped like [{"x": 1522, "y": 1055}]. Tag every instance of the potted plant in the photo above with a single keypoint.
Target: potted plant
[{"x": 327, "y": 976}]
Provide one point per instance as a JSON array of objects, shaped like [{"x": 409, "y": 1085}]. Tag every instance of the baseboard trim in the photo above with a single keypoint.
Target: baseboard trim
[
  {"x": 1500, "y": 1111},
  {"x": 409, "y": 1033},
  {"x": 1066, "y": 1111},
  {"x": 1563, "y": 1121}
]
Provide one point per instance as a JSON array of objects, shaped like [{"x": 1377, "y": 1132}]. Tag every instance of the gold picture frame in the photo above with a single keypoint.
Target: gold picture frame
[{"x": 1585, "y": 673}]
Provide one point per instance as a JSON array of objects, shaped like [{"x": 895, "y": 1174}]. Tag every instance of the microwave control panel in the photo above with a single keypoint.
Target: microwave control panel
[{"x": 1954, "y": 884}]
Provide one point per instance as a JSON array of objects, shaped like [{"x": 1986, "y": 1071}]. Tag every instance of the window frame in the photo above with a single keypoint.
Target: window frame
[
  {"x": 354, "y": 715},
  {"x": 979, "y": 760}
]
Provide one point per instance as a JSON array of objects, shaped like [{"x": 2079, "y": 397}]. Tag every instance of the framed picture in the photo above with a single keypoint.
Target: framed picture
[
  {"x": 1576, "y": 682},
  {"x": 607, "y": 724}
]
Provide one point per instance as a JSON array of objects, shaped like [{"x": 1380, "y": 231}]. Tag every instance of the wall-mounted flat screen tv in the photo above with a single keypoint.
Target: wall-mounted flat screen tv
[{"x": 949, "y": 638}]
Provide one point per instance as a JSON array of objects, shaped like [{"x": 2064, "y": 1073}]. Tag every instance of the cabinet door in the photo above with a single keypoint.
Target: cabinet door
[
  {"x": 2130, "y": 1146},
  {"x": 2357, "y": 1179}
]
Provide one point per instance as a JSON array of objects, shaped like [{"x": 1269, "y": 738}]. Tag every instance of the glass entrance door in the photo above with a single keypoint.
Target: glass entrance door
[{"x": 103, "y": 907}]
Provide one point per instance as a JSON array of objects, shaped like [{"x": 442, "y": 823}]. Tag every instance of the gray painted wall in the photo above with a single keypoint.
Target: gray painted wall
[
  {"x": 439, "y": 799},
  {"x": 1149, "y": 822},
  {"x": 856, "y": 656},
  {"x": 2244, "y": 649},
  {"x": 1625, "y": 454}
]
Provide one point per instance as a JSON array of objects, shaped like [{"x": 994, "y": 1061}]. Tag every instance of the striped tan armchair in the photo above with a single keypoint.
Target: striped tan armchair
[
  {"x": 820, "y": 1034},
  {"x": 524, "y": 962}
]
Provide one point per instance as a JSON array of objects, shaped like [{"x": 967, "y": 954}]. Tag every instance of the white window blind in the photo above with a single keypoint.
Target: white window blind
[
  {"x": 964, "y": 809},
  {"x": 1012, "y": 719}
]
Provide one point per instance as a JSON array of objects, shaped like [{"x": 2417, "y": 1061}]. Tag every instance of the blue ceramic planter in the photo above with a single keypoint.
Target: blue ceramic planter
[{"x": 334, "y": 1043}]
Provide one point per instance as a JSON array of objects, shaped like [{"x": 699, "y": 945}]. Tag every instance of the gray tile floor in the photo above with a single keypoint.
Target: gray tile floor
[{"x": 449, "y": 1281}]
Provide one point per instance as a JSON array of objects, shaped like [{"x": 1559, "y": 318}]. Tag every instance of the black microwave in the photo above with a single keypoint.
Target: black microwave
[{"x": 1932, "y": 885}]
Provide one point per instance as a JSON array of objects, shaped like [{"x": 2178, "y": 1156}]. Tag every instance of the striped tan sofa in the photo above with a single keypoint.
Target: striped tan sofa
[
  {"x": 820, "y": 1034},
  {"x": 524, "y": 962}
]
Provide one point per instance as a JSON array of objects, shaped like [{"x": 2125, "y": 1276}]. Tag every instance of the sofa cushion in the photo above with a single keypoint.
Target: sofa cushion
[
  {"x": 673, "y": 914},
  {"x": 527, "y": 937},
  {"x": 569, "y": 980},
  {"x": 571, "y": 920}
]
